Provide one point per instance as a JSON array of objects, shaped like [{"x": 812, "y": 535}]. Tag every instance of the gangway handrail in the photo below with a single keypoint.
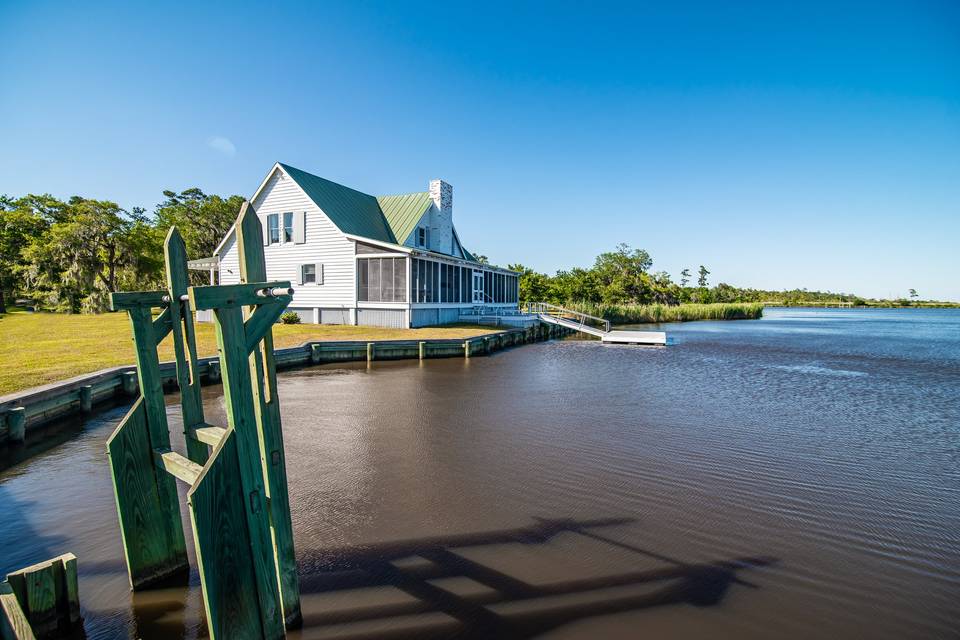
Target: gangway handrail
[{"x": 547, "y": 309}]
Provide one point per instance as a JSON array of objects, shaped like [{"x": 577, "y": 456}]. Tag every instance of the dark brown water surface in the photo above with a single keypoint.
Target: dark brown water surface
[{"x": 797, "y": 476}]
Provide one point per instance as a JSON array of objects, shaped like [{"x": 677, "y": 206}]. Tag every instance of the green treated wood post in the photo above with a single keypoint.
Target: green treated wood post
[
  {"x": 17, "y": 424},
  {"x": 147, "y": 501},
  {"x": 423, "y": 349},
  {"x": 47, "y": 594},
  {"x": 13, "y": 620},
  {"x": 184, "y": 344},
  {"x": 253, "y": 268},
  {"x": 315, "y": 353},
  {"x": 370, "y": 348},
  {"x": 213, "y": 372},
  {"x": 466, "y": 348},
  {"x": 242, "y": 418}
]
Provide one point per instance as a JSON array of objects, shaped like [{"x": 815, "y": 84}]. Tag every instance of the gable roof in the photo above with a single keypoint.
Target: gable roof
[
  {"x": 403, "y": 212},
  {"x": 389, "y": 219},
  {"x": 352, "y": 211}
]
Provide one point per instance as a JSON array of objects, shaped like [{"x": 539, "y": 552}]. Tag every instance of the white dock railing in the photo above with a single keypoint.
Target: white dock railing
[{"x": 574, "y": 319}]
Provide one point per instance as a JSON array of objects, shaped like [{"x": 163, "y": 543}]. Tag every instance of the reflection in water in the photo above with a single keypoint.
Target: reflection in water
[
  {"x": 569, "y": 489},
  {"x": 503, "y": 584}
]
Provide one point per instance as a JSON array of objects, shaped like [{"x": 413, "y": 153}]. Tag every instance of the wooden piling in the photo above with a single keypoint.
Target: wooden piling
[
  {"x": 423, "y": 349},
  {"x": 370, "y": 349},
  {"x": 86, "y": 398},
  {"x": 213, "y": 372},
  {"x": 16, "y": 424},
  {"x": 128, "y": 382},
  {"x": 48, "y": 595}
]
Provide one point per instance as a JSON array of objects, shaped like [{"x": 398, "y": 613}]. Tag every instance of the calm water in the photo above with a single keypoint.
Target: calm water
[{"x": 796, "y": 476}]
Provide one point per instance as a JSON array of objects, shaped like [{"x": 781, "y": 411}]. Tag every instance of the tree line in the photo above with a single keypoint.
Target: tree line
[
  {"x": 69, "y": 255},
  {"x": 626, "y": 276}
]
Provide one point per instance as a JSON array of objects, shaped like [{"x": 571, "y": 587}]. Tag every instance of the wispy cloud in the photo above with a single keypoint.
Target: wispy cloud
[{"x": 223, "y": 145}]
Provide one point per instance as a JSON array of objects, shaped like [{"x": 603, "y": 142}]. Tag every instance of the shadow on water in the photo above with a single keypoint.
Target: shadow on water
[{"x": 475, "y": 585}]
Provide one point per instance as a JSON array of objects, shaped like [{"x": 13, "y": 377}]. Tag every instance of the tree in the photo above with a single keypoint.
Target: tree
[
  {"x": 534, "y": 287},
  {"x": 913, "y": 294},
  {"x": 482, "y": 259},
  {"x": 95, "y": 249},
  {"x": 20, "y": 225},
  {"x": 684, "y": 277},
  {"x": 203, "y": 220},
  {"x": 619, "y": 275},
  {"x": 702, "y": 280}
]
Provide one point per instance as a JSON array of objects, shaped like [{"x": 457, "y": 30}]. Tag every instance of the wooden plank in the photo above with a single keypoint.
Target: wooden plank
[
  {"x": 262, "y": 368},
  {"x": 13, "y": 621},
  {"x": 122, "y": 300},
  {"x": 180, "y": 467},
  {"x": 154, "y": 549},
  {"x": 36, "y": 589},
  {"x": 224, "y": 553},
  {"x": 155, "y": 410},
  {"x": 241, "y": 416},
  {"x": 184, "y": 343},
  {"x": 260, "y": 322},
  {"x": 210, "y": 435},
  {"x": 162, "y": 326},
  {"x": 72, "y": 586},
  {"x": 234, "y": 296}
]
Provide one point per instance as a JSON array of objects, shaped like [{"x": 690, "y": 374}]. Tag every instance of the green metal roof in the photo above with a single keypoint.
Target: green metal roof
[
  {"x": 353, "y": 212},
  {"x": 384, "y": 218},
  {"x": 403, "y": 212}
]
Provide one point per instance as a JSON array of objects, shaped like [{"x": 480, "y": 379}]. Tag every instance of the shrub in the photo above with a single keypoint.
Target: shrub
[{"x": 290, "y": 317}]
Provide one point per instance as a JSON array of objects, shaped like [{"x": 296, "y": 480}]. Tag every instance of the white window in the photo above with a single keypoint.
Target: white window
[
  {"x": 288, "y": 226},
  {"x": 273, "y": 228},
  {"x": 311, "y": 274},
  {"x": 421, "y": 237}
]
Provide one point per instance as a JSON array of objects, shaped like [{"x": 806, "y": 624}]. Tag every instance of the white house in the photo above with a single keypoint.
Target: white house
[{"x": 353, "y": 258}]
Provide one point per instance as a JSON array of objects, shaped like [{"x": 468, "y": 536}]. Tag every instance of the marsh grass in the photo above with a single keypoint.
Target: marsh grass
[{"x": 644, "y": 313}]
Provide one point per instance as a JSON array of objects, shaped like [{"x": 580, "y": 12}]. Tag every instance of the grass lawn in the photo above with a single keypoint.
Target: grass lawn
[{"x": 39, "y": 348}]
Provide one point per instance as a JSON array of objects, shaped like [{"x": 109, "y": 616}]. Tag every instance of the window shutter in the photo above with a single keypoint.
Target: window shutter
[
  {"x": 299, "y": 227},
  {"x": 298, "y": 278},
  {"x": 266, "y": 231},
  {"x": 318, "y": 268}
]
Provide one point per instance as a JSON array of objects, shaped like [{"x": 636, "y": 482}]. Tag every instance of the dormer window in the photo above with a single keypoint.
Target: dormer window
[{"x": 421, "y": 237}]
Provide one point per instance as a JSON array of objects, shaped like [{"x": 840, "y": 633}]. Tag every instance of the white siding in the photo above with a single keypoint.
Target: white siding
[
  {"x": 393, "y": 318},
  {"x": 324, "y": 244}
]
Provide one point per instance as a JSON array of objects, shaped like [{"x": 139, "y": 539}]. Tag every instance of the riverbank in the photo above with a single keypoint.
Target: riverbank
[
  {"x": 656, "y": 313},
  {"x": 41, "y": 348}
]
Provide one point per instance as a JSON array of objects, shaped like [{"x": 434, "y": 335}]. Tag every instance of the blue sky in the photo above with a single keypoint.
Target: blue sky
[{"x": 782, "y": 145}]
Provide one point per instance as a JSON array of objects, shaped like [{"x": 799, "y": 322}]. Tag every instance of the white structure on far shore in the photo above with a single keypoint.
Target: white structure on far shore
[{"x": 353, "y": 258}]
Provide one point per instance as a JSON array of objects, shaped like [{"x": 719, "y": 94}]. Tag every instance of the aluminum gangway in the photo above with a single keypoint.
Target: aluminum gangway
[{"x": 592, "y": 325}]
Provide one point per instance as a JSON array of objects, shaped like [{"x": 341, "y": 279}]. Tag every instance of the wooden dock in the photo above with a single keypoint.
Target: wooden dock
[{"x": 592, "y": 325}]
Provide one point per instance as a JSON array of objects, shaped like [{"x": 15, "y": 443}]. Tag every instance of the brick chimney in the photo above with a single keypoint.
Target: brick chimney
[
  {"x": 441, "y": 222},
  {"x": 442, "y": 195}
]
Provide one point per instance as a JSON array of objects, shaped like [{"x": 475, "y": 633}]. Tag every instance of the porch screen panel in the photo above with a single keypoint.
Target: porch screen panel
[
  {"x": 374, "y": 289},
  {"x": 399, "y": 280},
  {"x": 487, "y": 286},
  {"x": 465, "y": 284},
  {"x": 381, "y": 280},
  {"x": 444, "y": 283},
  {"x": 363, "y": 279},
  {"x": 436, "y": 282}
]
